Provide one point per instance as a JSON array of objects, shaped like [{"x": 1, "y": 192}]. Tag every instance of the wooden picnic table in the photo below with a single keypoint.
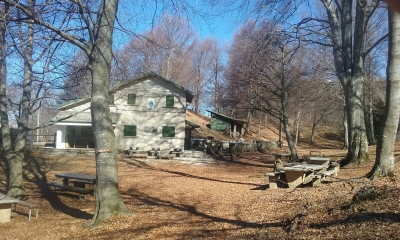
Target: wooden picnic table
[
  {"x": 72, "y": 177},
  {"x": 301, "y": 173},
  {"x": 177, "y": 153},
  {"x": 78, "y": 180}
]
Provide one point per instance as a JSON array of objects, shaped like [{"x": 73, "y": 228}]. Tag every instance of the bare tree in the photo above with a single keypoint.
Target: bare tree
[
  {"x": 345, "y": 33},
  {"x": 206, "y": 73},
  {"x": 265, "y": 71},
  {"x": 385, "y": 163},
  {"x": 94, "y": 37},
  {"x": 27, "y": 95},
  {"x": 166, "y": 49}
]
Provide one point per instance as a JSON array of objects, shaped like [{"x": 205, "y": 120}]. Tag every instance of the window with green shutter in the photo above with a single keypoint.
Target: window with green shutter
[
  {"x": 169, "y": 101},
  {"x": 130, "y": 130},
  {"x": 111, "y": 99},
  {"x": 132, "y": 98},
  {"x": 168, "y": 131}
]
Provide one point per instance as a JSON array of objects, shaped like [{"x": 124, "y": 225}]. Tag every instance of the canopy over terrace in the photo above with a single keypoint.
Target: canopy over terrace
[
  {"x": 231, "y": 126},
  {"x": 74, "y": 129}
]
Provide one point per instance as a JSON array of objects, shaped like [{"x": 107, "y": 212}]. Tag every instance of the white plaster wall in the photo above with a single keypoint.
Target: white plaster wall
[{"x": 140, "y": 116}]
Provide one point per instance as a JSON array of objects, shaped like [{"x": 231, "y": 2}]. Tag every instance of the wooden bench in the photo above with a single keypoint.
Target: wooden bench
[
  {"x": 321, "y": 176},
  {"x": 274, "y": 178},
  {"x": 137, "y": 155},
  {"x": 6, "y": 204},
  {"x": 70, "y": 188},
  {"x": 319, "y": 161},
  {"x": 27, "y": 204}
]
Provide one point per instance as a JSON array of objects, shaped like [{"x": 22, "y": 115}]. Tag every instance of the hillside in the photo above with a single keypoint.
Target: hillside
[{"x": 325, "y": 137}]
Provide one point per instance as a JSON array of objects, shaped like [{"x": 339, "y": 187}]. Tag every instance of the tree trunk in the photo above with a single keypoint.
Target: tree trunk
[
  {"x": 108, "y": 198},
  {"x": 384, "y": 162},
  {"x": 346, "y": 131},
  {"x": 314, "y": 125},
  {"x": 358, "y": 143},
  {"x": 280, "y": 135},
  {"x": 297, "y": 128},
  {"x": 348, "y": 38},
  {"x": 369, "y": 118},
  {"x": 259, "y": 125},
  {"x": 266, "y": 121},
  {"x": 15, "y": 157},
  {"x": 289, "y": 140},
  {"x": 5, "y": 128},
  {"x": 248, "y": 122}
]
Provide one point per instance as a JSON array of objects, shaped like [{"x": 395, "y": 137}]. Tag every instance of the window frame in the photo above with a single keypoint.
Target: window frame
[
  {"x": 128, "y": 98},
  {"x": 168, "y": 100},
  {"x": 125, "y": 131},
  {"x": 111, "y": 99},
  {"x": 164, "y": 130}
]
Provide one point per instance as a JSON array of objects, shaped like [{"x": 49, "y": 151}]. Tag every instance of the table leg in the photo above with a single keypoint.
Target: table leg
[{"x": 65, "y": 181}]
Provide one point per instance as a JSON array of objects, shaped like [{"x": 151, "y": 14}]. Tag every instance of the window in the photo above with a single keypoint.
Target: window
[
  {"x": 168, "y": 131},
  {"x": 150, "y": 104},
  {"x": 132, "y": 98},
  {"x": 129, "y": 130},
  {"x": 111, "y": 99},
  {"x": 169, "y": 100}
]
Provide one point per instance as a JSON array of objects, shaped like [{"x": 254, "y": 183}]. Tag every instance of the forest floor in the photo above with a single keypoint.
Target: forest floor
[{"x": 226, "y": 198}]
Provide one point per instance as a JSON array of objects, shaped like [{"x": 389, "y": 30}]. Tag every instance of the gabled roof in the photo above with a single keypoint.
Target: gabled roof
[
  {"x": 224, "y": 116},
  {"x": 86, "y": 99}
]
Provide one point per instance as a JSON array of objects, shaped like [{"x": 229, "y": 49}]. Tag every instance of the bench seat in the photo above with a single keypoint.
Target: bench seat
[
  {"x": 328, "y": 173},
  {"x": 138, "y": 155},
  {"x": 27, "y": 204},
  {"x": 70, "y": 188},
  {"x": 274, "y": 178},
  {"x": 80, "y": 183}
]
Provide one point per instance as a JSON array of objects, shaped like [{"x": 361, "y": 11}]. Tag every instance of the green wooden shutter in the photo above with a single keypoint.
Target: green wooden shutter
[
  {"x": 132, "y": 98},
  {"x": 169, "y": 100},
  {"x": 130, "y": 130},
  {"x": 168, "y": 131},
  {"x": 111, "y": 99}
]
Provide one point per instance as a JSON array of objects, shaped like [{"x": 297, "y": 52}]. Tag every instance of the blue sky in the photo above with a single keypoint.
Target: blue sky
[{"x": 143, "y": 17}]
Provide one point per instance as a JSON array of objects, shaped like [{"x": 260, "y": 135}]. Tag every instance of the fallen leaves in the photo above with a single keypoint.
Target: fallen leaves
[{"x": 213, "y": 200}]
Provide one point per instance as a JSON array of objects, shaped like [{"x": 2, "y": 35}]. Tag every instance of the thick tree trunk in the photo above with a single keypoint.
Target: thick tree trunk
[
  {"x": 108, "y": 198},
  {"x": 15, "y": 157},
  {"x": 384, "y": 162},
  {"x": 18, "y": 155},
  {"x": 358, "y": 142},
  {"x": 348, "y": 38},
  {"x": 5, "y": 129}
]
